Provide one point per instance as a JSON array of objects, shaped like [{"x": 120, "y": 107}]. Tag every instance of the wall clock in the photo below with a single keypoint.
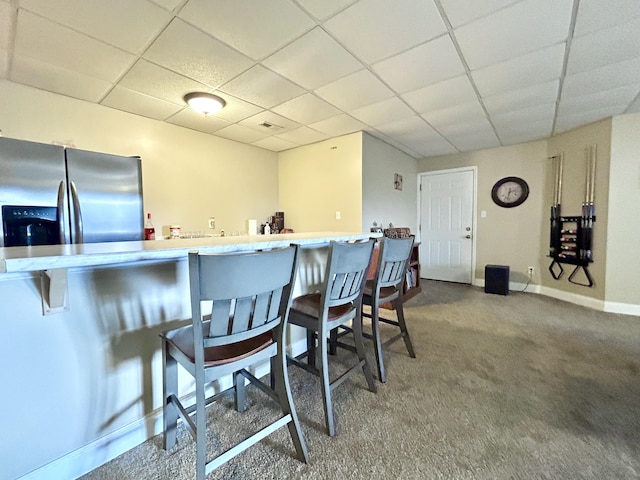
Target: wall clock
[{"x": 510, "y": 192}]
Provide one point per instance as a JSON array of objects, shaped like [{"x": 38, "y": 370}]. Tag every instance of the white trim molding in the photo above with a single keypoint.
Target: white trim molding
[{"x": 597, "y": 304}]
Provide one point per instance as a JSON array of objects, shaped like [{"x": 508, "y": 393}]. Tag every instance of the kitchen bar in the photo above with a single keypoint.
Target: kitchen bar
[{"x": 93, "y": 368}]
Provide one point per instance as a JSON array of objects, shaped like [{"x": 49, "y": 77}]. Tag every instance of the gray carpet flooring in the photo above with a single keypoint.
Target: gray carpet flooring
[{"x": 503, "y": 387}]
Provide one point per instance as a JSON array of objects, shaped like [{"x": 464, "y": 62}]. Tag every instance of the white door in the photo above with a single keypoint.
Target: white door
[{"x": 446, "y": 225}]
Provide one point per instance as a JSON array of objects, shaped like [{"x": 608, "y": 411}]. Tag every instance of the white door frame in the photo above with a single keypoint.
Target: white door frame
[{"x": 474, "y": 226}]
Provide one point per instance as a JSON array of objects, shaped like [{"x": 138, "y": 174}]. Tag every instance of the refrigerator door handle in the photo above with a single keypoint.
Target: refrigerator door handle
[
  {"x": 60, "y": 212},
  {"x": 77, "y": 214}
]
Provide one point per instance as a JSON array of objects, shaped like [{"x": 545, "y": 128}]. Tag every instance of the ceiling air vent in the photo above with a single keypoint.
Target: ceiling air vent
[{"x": 270, "y": 126}]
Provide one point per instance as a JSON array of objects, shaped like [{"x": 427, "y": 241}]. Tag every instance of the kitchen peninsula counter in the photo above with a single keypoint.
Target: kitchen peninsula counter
[
  {"x": 81, "y": 326},
  {"x": 49, "y": 257}
]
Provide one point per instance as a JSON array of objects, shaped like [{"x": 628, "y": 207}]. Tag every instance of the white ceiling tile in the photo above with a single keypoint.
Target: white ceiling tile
[
  {"x": 635, "y": 106},
  {"x": 322, "y": 9},
  {"x": 197, "y": 121},
  {"x": 302, "y": 136},
  {"x": 45, "y": 76},
  {"x": 466, "y": 127},
  {"x": 169, "y": 5},
  {"x": 383, "y": 112},
  {"x": 599, "y": 79},
  {"x": 254, "y": 27},
  {"x": 281, "y": 124},
  {"x": 541, "y": 113},
  {"x": 240, "y": 133},
  {"x": 338, "y": 125},
  {"x": 236, "y": 109},
  {"x": 408, "y": 129},
  {"x": 463, "y": 113},
  {"x": 262, "y": 87},
  {"x": 52, "y": 43},
  {"x": 603, "y": 47},
  {"x": 423, "y": 65},
  {"x": 116, "y": 22},
  {"x": 150, "y": 79},
  {"x": 306, "y": 109},
  {"x": 533, "y": 68},
  {"x": 597, "y": 14},
  {"x": 522, "y": 98},
  {"x": 571, "y": 121},
  {"x": 354, "y": 91},
  {"x": 313, "y": 60},
  {"x": 431, "y": 147},
  {"x": 384, "y": 30},
  {"x": 460, "y": 12},
  {"x": 140, "y": 104},
  {"x": 511, "y": 134},
  {"x": 274, "y": 144},
  {"x": 474, "y": 141},
  {"x": 599, "y": 100},
  {"x": 513, "y": 31},
  {"x": 441, "y": 95},
  {"x": 394, "y": 143},
  {"x": 194, "y": 54}
]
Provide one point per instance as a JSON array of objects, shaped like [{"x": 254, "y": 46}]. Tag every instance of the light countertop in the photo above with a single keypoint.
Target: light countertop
[{"x": 49, "y": 257}]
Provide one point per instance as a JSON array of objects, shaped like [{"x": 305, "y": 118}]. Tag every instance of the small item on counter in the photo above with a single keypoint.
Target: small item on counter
[
  {"x": 222, "y": 233},
  {"x": 252, "y": 227},
  {"x": 267, "y": 229},
  {"x": 175, "y": 231},
  {"x": 149, "y": 231}
]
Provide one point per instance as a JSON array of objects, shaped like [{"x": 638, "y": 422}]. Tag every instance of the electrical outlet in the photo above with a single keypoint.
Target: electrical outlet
[
  {"x": 531, "y": 270},
  {"x": 212, "y": 222}
]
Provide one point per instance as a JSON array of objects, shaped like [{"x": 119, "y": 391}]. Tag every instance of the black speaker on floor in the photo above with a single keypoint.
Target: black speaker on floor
[{"x": 496, "y": 279}]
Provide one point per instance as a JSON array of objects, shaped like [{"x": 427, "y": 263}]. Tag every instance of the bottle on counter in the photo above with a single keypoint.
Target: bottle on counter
[
  {"x": 149, "y": 231},
  {"x": 267, "y": 229}
]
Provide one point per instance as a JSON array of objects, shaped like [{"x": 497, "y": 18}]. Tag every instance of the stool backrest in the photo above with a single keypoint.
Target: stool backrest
[
  {"x": 392, "y": 261},
  {"x": 346, "y": 274},
  {"x": 250, "y": 293}
]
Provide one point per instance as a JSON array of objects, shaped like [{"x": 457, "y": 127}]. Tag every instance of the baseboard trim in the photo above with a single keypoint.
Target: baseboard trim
[
  {"x": 95, "y": 454},
  {"x": 590, "y": 302},
  {"x": 513, "y": 286},
  {"x": 623, "y": 308},
  {"x": 602, "y": 305}
]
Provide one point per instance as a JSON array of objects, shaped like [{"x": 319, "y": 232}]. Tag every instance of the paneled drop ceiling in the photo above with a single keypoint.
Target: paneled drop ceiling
[{"x": 430, "y": 77}]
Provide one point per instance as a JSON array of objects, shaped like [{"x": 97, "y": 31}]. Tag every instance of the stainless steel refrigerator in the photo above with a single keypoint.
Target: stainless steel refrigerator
[{"x": 52, "y": 195}]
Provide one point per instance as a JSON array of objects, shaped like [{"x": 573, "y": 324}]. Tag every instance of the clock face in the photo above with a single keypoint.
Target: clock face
[{"x": 510, "y": 192}]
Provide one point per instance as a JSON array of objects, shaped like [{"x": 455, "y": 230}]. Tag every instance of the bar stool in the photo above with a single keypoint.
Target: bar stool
[
  {"x": 386, "y": 287},
  {"x": 250, "y": 297},
  {"x": 339, "y": 301}
]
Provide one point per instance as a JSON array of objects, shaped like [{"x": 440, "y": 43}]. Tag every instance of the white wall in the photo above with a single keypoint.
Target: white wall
[
  {"x": 623, "y": 257},
  {"x": 506, "y": 236},
  {"x": 188, "y": 176},
  {"x": 381, "y": 202},
  {"x": 320, "y": 179},
  {"x": 573, "y": 144}
]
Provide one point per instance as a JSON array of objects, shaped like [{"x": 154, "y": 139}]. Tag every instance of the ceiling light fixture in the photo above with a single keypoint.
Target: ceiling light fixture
[{"x": 206, "y": 103}]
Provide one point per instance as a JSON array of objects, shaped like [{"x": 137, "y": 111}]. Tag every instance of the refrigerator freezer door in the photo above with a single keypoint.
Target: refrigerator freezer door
[
  {"x": 109, "y": 197},
  {"x": 30, "y": 174}
]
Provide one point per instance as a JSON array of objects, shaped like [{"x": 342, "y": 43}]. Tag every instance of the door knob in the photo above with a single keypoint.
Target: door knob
[{"x": 468, "y": 236}]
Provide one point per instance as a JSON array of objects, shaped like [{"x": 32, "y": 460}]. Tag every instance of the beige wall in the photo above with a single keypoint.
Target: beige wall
[
  {"x": 623, "y": 257},
  {"x": 187, "y": 176},
  {"x": 573, "y": 144},
  {"x": 506, "y": 236},
  {"x": 381, "y": 202},
  {"x": 318, "y": 180}
]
